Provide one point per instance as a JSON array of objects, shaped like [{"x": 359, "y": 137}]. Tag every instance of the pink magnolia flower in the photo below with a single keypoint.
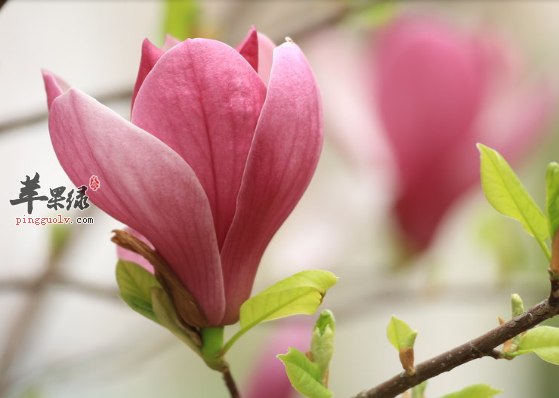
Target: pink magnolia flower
[
  {"x": 439, "y": 91},
  {"x": 221, "y": 145},
  {"x": 269, "y": 378},
  {"x": 415, "y": 100}
]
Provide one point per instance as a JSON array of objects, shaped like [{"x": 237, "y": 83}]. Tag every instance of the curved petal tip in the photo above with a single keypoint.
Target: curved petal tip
[
  {"x": 248, "y": 48},
  {"x": 54, "y": 86}
]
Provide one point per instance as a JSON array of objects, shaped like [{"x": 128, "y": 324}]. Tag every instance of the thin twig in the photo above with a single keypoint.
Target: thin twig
[
  {"x": 230, "y": 383},
  {"x": 328, "y": 21},
  {"x": 108, "y": 293},
  {"x": 40, "y": 116},
  {"x": 73, "y": 285},
  {"x": 124, "y": 94},
  {"x": 23, "y": 323},
  {"x": 483, "y": 346}
]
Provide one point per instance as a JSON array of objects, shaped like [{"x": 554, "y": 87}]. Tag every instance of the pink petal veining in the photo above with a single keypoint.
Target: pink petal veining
[{"x": 130, "y": 162}]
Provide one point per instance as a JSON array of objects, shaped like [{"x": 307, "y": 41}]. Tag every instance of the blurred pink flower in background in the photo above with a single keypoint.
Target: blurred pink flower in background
[
  {"x": 439, "y": 91},
  {"x": 219, "y": 150},
  {"x": 268, "y": 377},
  {"x": 411, "y": 104}
]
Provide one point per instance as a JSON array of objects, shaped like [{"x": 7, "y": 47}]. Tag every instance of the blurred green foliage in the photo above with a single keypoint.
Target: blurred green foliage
[{"x": 181, "y": 18}]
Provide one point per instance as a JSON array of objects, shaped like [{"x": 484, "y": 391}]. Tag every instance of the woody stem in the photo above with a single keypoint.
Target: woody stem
[
  {"x": 230, "y": 383},
  {"x": 483, "y": 346},
  {"x": 212, "y": 345}
]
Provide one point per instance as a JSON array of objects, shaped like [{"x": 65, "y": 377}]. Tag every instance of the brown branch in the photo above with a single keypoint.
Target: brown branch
[
  {"x": 75, "y": 286},
  {"x": 39, "y": 116},
  {"x": 230, "y": 382},
  {"x": 36, "y": 293},
  {"x": 23, "y": 323},
  {"x": 124, "y": 94},
  {"x": 331, "y": 20},
  {"x": 483, "y": 346},
  {"x": 345, "y": 10}
]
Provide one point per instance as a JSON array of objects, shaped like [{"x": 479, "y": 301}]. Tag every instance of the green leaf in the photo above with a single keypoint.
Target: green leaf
[
  {"x": 400, "y": 334},
  {"x": 135, "y": 285},
  {"x": 475, "y": 391},
  {"x": 543, "y": 341},
  {"x": 303, "y": 374},
  {"x": 419, "y": 390},
  {"x": 322, "y": 343},
  {"x": 167, "y": 317},
  {"x": 552, "y": 197},
  {"x": 301, "y": 293},
  {"x": 517, "y": 306},
  {"x": 325, "y": 319},
  {"x": 507, "y": 195}
]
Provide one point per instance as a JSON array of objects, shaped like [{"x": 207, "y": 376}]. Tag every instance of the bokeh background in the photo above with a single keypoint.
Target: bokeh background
[{"x": 65, "y": 333}]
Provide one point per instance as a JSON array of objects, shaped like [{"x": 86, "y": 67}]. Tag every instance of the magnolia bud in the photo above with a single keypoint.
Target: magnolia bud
[{"x": 322, "y": 344}]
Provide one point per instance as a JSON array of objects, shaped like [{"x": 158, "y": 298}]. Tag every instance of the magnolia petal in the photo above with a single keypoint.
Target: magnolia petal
[
  {"x": 268, "y": 377},
  {"x": 282, "y": 160},
  {"x": 54, "y": 86},
  {"x": 150, "y": 56},
  {"x": 170, "y": 42},
  {"x": 248, "y": 48},
  {"x": 128, "y": 255},
  {"x": 203, "y": 100},
  {"x": 265, "y": 57},
  {"x": 445, "y": 76},
  {"x": 434, "y": 126},
  {"x": 512, "y": 125},
  {"x": 420, "y": 212},
  {"x": 145, "y": 185}
]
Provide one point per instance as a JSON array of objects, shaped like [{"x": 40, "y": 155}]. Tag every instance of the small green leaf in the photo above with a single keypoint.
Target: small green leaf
[
  {"x": 273, "y": 305},
  {"x": 135, "y": 285},
  {"x": 400, "y": 334},
  {"x": 301, "y": 293},
  {"x": 167, "y": 317},
  {"x": 419, "y": 390},
  {"x": 322, "y": 343},
  {"x": 475, "y": 391},
  {"x": 410, "y": 341},
  {"x": 304, "y": 375},
  {"x": 543, "y": 341},
  {"x": 552, "y": 197},
  {"x": 517, "y": 306},
  {"x": 325, "y": 319},
  {"x": 507, "y": 195}
]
